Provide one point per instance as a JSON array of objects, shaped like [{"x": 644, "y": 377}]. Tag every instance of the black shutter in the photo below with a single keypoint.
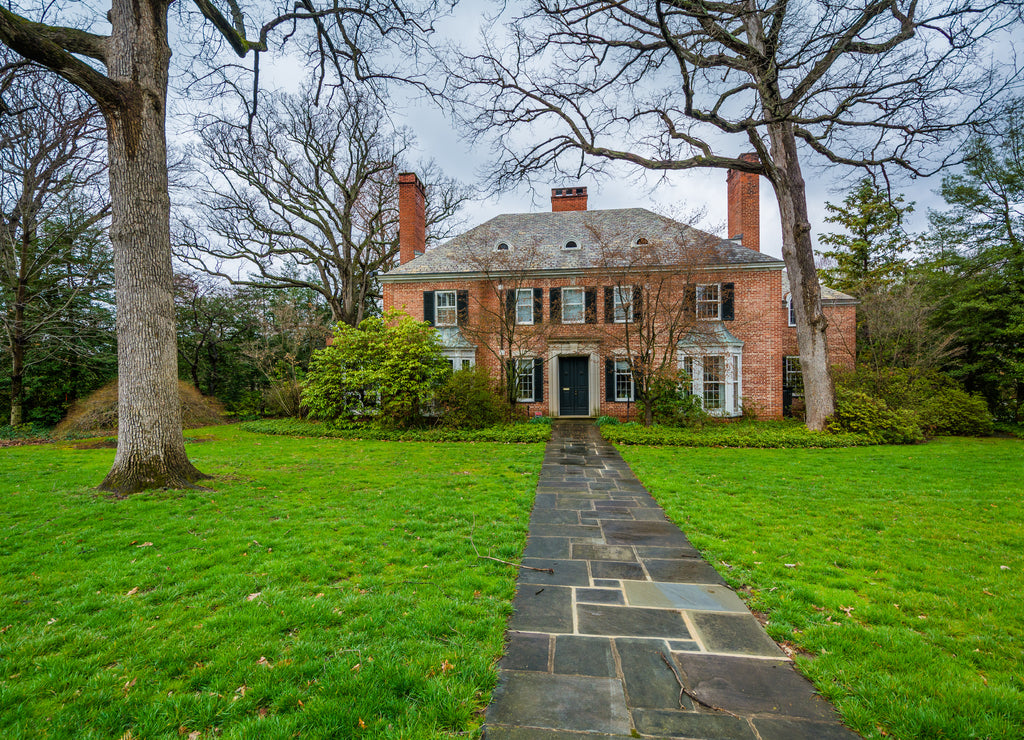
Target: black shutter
[
  {"x": 538, "y": 305},
  {"x": 728, "y": 302},
  {"x": 689, "y": 302},
  {"x": 609, "y": 305},
  {"x": 428, "y": 306},
  {"x": 510, "y": 306},
  {"x": 637, "y": 304},
  {"x": 538, "y": 380},
  {"x": 609, "y": 381},
  {"x": 462, "y": 304},
  {"x": 556, "y": 305},
  {"x": 590, "y": 306}
]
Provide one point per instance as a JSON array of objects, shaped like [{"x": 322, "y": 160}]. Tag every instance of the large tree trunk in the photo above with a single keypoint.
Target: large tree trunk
[
  {"x": 150, "y": 446},
  {"x": 798, "y": 253}
]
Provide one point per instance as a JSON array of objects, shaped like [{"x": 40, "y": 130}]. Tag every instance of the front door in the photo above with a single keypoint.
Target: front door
[{"x": 574, "y": 386}]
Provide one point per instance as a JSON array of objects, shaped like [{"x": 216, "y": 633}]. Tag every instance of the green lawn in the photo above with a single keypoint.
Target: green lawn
[
  {"x": 898, "y": 570},
  {"x": 321, "y": 587}
]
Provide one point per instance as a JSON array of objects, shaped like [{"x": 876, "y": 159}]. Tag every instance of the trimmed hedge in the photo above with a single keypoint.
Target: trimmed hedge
[
  {"x": 761, "y": 435},
  {"x": 508, "y": 433}
]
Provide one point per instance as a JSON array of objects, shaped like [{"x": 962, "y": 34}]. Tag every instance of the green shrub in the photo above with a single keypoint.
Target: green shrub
[
  {"x": 669, "y": 402},
  {"x": 468, "y": 400},
  {"x": 29, "y": 430},
  {"x": 606, "y": 420},
  {"x": 390, "y": 366},
  {"x": 859, "y": 413},
  {"x": 941, "y": 405},
  {"x": 785, "y": 434},
  {"x": 539, "y": 420},
  {"x": 507, "y": 433}
]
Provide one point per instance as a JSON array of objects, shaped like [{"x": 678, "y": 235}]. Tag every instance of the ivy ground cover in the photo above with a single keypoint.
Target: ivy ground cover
[
  {"x": 322, "y": 588},
  {"x": 895, "y": 573}
]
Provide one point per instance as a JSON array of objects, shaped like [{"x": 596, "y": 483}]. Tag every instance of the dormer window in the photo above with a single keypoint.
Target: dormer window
[
  {"x": 571, "y": 244},
  {"x": 641, "y": 242},
  {"x": 502, "y": 247}
]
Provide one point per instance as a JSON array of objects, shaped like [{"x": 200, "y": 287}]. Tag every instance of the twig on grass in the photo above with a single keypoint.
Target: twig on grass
[{"x": 499, "y": 560}]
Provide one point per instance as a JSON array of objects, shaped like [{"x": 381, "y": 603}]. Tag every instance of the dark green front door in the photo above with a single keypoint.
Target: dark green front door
[{"x": 574, "y": 386}]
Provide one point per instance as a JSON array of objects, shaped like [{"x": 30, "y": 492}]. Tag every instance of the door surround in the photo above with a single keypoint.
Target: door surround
[{"x": 574, "y": 349}]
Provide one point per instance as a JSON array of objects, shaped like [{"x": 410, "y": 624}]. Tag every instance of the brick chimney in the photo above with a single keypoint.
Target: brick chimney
[
  {"x": 568, "y": 199},
  {"x": 412, "y": 217},
  {"x": 744, "y": 205}
]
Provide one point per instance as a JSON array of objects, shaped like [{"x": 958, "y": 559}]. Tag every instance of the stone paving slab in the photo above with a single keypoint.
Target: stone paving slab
[{"x": 634, "y": 634}]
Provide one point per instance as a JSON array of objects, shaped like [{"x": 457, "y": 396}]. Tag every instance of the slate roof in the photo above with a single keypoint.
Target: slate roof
[
  {"x": 828, "y": 295},
  {"x": 605, "y": 238}
]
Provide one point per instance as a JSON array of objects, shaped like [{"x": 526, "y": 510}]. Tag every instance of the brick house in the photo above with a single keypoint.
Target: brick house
[{"x": 564, "y": 299}]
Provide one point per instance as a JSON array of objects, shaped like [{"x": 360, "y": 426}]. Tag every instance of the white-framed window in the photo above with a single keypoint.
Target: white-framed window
[
  {"x": 622, "y": 303},
  {"x": 524, "y": 380},
  {"x": 502, "y": 247},
  {"x": 572, "y": 244},
  {"x": 623, "y": 381},
  {"x": 715, "y": 376},
  {"x": 446, "y": 312},
  {"x": 789, "y": 310},
  {"x": 573, "y": 306},
  {"x": 709, "y": 301},
  {"x": 524, "y": 306},
  {"x": 792, "y": 376},
  {"x": 460, "y": 359}
]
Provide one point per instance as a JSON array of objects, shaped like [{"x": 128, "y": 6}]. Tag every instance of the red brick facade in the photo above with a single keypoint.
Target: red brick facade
[
  {"x": 732, "y": 339},
  {"x": 761, "y": 322},
  {"x": 745, "y": 206}
]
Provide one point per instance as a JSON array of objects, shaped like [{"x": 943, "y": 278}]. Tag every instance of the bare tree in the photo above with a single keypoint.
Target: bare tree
[
  {"x": 51, "y": 203},
  {"x": 689, "y": 83},
  {"x": 132, "y": 95},
  {"x": 507, "y": 315},
  {"x": 650, "y": 304},
  {"x": 307, "y": 197}
]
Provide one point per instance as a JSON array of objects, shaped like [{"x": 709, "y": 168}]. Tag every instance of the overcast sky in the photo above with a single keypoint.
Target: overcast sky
[{"x": 671, "y": 194}]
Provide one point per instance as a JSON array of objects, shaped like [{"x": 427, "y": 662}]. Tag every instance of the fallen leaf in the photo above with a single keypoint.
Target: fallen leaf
[
  {"x": 195, "y": 735},
  {"x": 1004, "y": 567},
  {"x": 922, "y": 616},
  {"x": 53, "y": 620},
  {"x": 846, "y": 609},
  {"x": 263, "y": 661},
  {"x": 987, "y": 592},
  {"x": 262, "y": 712},
  {"x": 300, "y": 702},
  {"x": 357, "y": 667},
  {"x": 254, "y": 595},
  {"x": 446, "y": 666},
  {"x": 320, "y": 595},
  {"x": 790, "y": 565},
  {"x": 145, "y": 544},
  {"x": 241, "y": 690},
  {"x": 127, "y": 735},
  {"x": 362, "y": 725},
  {"x": 7, "y": 627},
  {"x": 133, "y": 591},
  {"x": 129, "y": 684}
]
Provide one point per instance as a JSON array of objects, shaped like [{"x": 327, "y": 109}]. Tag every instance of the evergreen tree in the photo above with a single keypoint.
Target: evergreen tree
[
  {"x": 975, "y": 261},
  {"x": 871, "y": 252}
]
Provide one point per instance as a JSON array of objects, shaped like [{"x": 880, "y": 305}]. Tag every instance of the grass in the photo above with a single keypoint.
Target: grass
[
  {"x": 895, "y": 571},
  {"x": 321, "y": 588}
]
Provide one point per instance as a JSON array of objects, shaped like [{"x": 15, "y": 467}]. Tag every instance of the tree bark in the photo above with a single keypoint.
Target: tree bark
[
  {"x": 150, "y": 445},
  {"x": 798, "y": 254}
]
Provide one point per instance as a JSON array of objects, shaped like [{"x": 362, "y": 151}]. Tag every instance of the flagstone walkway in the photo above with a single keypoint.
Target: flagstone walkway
[{"x": 634, "y": 634}]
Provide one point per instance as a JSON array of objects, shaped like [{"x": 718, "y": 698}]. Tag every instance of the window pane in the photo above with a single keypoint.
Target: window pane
[
  {"x": 572, "y": 305},
  {"x": 445, "y": 313},
  {"x": 792, "y": 377},
  {"x": 623, "y": 381},
  {"x": 707, "y": 302},
  {"x": 524, "y": 306},
  {"x": 714, "y": 382},
  {"x": 623, "y": 302},
  {"x": 524, "y": 379}
]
